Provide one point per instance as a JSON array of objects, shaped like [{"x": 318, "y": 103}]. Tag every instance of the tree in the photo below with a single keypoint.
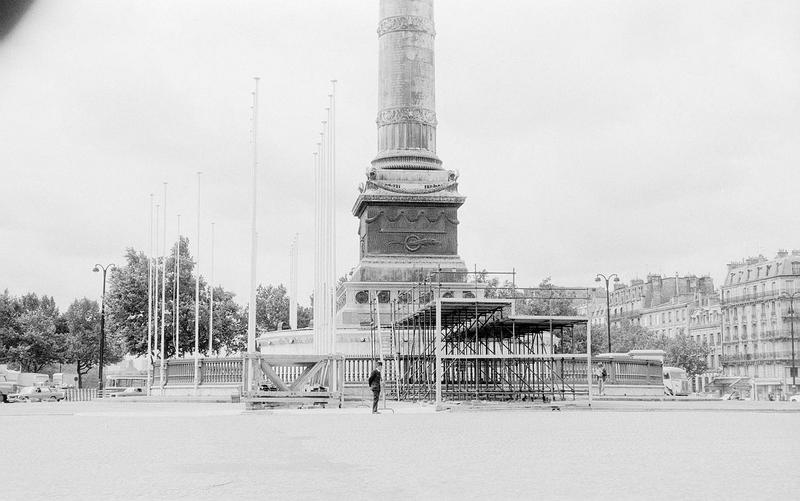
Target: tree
[
  {"x": 82, "y": 319},
  {"x": 685, "y": 352},
  {"x": 126, "y": 302},
  {"x": 128, "y": 307},
  {"x": 30, "y": 333},
  {"x": 548, "y": 300}
]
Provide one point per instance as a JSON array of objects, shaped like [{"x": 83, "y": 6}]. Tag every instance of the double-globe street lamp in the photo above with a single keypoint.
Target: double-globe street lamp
[
  {"x": 599, "y": 278},
  {"x": 96, "y": 269},
  {"x": 793, "y": 369}
]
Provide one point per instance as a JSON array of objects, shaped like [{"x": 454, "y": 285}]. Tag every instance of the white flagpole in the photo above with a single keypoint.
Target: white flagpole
[
  {"x": 197, "y": 295},
  {"x": 164, "y": 282},
  {"x": 211, "y": 298},
  {"x": 177, "y": 319},
  {"x": 156, "y": 279},
  {"x": 317, "y": 246},
  {"x": 325, "y": 228},
  {"x": 334, "y": 278},
  {"x": 150, "y": 302},
  {"x": 251, "y": 316},
  {"x": 293, "y": 252}
]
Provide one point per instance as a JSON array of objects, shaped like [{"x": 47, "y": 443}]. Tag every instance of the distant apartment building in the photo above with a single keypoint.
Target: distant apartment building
[
  {"x": 661, "y": 304},
  {"x": 705, "y": 327},
  {"x": 756, "y": 326}
]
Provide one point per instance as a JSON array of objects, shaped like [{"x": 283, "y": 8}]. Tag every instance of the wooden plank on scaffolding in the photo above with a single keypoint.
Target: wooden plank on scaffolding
[
  {"x": 292, "y": 359},
  {"x": 272, "y": 376},
  {"x": 308, "y": 374}
]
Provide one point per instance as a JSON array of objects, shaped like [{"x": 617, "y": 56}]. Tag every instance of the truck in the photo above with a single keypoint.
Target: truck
[{"x": 7, "y": 388}]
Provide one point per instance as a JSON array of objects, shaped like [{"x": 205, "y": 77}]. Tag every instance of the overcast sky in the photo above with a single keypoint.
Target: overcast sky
[{"x": 615, "y": 136}]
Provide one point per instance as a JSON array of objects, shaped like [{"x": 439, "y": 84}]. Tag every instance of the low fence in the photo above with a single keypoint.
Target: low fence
[
  {"x": 80, "y": 394},
  {"x": 547, "y": 375},
  {"x": 213, "y": 371},
  {"x": 627, "y": 371}
]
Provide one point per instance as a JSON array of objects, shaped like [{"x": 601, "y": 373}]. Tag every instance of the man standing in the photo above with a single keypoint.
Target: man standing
[
  {"x": 602, "y": 374},
  {"x": 375, "y": 385}
]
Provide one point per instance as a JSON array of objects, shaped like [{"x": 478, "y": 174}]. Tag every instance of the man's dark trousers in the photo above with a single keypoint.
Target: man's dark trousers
[{"x": 376, "y": 395}]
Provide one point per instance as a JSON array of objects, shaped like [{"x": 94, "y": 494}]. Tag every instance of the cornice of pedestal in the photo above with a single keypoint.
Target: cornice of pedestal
[{"x": 383, "y": 197}]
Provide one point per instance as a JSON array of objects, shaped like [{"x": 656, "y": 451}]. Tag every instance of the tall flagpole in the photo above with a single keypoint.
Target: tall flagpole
[
  {"x": 164, "y": 282},
  {"x": 317, "y": 246},
  {"x": 323, "y": 299},
  {"x": 293, "y": 253},
  {"x": 197, "y": 294},
  {"x": 150, "y": 302},
  {"x": 177, "y": 319},
  {"x": 251, "y": 313},
  {"x": 156, "y": 279},
  {"x": 211, "y": 298},
  {"x": 327, "y": 229},
  {"x": 332, "y": 190}
]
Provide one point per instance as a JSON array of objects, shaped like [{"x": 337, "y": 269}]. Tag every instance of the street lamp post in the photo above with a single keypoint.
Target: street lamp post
[
  {"x": 600, "y": 277},
  {"x": 96, "y": 269},
  {"x": 793, "y": 369}
]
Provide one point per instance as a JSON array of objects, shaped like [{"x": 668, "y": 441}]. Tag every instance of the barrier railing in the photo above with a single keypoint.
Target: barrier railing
[
  {"x": 80, "y": 394},
  {"x": 572, "y": 370},
  {"x": 221, "y": 370}
]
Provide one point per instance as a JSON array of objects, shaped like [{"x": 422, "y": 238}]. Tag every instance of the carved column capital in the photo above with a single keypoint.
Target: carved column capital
[
  {"x": 406, "y": 23},
  {"x": 406, "y": 114}
]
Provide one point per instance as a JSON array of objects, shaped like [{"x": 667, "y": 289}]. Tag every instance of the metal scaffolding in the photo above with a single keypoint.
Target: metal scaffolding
[{"x": 449, "y": 348}]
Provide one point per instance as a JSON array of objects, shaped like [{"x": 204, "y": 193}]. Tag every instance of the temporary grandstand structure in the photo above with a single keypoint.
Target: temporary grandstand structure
[{"x": 446, "y": 348}]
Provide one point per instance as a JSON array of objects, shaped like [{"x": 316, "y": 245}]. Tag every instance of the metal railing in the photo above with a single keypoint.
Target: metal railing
[
  {"x": 755, "y": 357},
  {"x": 749, "y": 296},
  {"x": 80, "y": 394}
]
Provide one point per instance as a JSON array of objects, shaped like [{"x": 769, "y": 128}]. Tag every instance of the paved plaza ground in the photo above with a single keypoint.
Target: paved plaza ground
[{"x": 631, "y": 450}]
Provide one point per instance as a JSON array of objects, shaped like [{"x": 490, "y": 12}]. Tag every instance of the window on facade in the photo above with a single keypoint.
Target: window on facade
[
  {"x": 795, "y": 267},
  {"x": 769, "y": 266}
]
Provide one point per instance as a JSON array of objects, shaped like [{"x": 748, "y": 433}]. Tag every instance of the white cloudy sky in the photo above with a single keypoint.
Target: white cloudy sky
[{"x": 615, "y": 136}]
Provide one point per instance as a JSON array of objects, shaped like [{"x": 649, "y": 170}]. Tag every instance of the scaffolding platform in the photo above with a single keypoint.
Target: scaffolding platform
[{"x": 446, "y": 348}]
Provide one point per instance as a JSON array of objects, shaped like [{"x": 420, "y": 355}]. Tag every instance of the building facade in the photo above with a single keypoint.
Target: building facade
[
  {"x": 663, "y": 305},
  {"x": 757, "y": 335},
  {"x": 705, "y": 327}
]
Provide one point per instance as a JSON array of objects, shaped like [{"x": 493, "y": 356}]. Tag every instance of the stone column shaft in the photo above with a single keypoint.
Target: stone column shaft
[{"x": 406, "y": 86}]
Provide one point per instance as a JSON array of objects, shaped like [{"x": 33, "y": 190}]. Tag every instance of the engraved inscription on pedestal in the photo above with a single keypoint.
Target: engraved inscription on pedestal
[{"x": 410, "y": 230}]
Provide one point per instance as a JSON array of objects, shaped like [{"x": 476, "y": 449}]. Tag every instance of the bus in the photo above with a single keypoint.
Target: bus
[{"x": 675, "y": 381}]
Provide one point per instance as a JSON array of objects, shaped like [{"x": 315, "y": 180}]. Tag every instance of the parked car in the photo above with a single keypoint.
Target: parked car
[
  {"x": 38, "y": 394},
  {"x": 128, "y": 392},
  {"x": 732, "y": 396},
  {"x": 794, "y": 398}
]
